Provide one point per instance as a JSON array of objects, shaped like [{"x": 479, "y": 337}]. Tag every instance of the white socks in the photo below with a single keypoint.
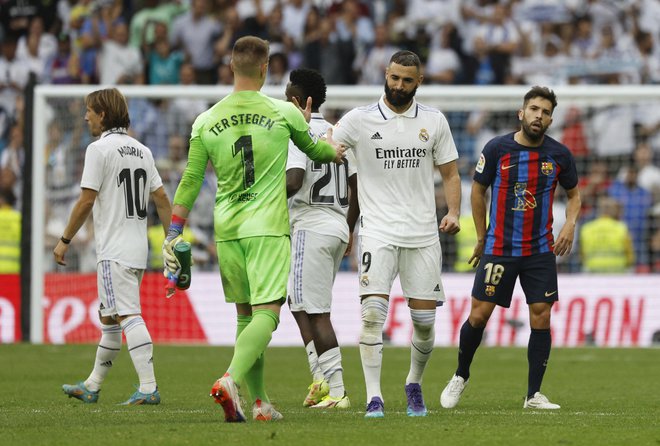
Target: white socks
[
  {"x": 313, "y": 359},
  {"x": 107, "y": 351},
  {"x": 422, "y": 343},
  {"x": 374, "y": 313},
  {"x": 330, "y": 363},
  {"x": 141, "y": 350}
]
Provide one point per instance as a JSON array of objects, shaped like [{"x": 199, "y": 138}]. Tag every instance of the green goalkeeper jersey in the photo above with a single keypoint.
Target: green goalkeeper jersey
[{"x": 246, "y": 136}]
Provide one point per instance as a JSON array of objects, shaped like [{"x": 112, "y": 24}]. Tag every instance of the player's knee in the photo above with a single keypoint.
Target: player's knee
[
  {"x": 374, "y": 311},
  {"x": 478, "y": 320},
  {"x": 423, "y": 324}
]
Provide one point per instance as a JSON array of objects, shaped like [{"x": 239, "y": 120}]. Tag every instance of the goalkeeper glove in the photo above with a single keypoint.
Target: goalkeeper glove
[{"x": 174, "y": 236}]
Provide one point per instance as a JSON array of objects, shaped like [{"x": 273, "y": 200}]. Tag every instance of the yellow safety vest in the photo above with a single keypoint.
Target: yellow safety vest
[
  {"x": 10, "y": 241},
  {"x": 604, "y": 246}
]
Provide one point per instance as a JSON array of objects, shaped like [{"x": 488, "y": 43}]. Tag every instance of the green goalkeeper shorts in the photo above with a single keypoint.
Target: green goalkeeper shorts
[{"x": 255, "y": 270}]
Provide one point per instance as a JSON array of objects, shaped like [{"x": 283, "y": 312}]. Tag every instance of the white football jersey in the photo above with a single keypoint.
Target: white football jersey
[
  {"x": 123, "y": 172},
  {"x": 396, "y": 155},
  {"x": 321, "y": 203}
]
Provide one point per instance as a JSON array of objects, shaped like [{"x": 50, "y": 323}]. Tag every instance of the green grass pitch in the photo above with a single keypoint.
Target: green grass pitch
[{"x": 608, "y": 397}]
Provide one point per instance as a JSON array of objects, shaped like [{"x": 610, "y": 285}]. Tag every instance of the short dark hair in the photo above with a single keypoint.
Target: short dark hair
[
  {"x": 113, "y": 103},
  {"x": 406, "y": 58},
  {"x": 542, "y": 92},
  {"x": 311, "y": 84},
  {"x": 7, "y": 195}
]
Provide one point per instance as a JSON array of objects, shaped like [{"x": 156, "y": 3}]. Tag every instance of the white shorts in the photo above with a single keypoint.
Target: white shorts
[
  {"x": 418, "y": 269},
  {"x": 119, "y": 288},
  {"x": 315, "y": 260}
]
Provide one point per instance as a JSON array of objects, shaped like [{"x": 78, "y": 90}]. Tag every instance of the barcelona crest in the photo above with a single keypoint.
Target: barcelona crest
[
  {"x": 546, "y": 168},
  {"x": 490, "y": 290}
]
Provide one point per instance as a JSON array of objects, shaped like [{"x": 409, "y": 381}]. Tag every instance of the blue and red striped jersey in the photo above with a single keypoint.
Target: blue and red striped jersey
[{"x": 523, "y": 182}]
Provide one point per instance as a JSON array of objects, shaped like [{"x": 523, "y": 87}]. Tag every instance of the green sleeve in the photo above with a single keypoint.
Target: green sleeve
[
  {"x": 301, "y": 136},
  {"x": 193, "y": 174}
]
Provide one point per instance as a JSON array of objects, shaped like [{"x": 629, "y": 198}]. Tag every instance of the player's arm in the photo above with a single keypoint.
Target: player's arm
[
  {"x": 79, "y": 215},
  {"x": 353, "y": 211},
  {"x": 163, "y": 207},
  {"x": 451, "y": 181},
  {"x": 478, "y": 201},
  {"x": 294, "y": 181},
  {"x": 184, "y": 199},
  {"x": 564, "y": 241}
]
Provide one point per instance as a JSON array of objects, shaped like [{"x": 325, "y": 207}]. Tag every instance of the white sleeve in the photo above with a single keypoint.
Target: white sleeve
[
  {"x": 444, "y": 149},
  {"x": 154, "y": 181},
  {"x": 352, "y": 163},
  {"x": 297, "y": 159},
  {"x": 347, "y": 129},
  {"x": 92, "y": 176}
]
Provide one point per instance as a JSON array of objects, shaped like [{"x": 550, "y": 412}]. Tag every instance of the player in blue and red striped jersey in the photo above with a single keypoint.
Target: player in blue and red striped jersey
[{"x": 522, "y": 169}]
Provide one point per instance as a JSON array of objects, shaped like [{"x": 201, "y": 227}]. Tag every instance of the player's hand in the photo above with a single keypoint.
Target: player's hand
[
  {"x": 307, "y": 111},
  {"x": 564, "y": 242},
  {"x": 477, "y": 253},
  {"x": 349, "y": 247},
  {"x": 338, "y": 147},
  {"x": 450, "y": 224},
  {"x": 170, "y": 262},
  {"x": 59, "y": 252}
]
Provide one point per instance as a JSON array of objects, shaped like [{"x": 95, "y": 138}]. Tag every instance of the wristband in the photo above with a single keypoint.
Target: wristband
[{"x": 66, "y": 241}]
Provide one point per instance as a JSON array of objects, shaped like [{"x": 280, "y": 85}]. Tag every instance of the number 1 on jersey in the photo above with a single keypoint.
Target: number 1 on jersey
[{"x": 243, "y": 145}]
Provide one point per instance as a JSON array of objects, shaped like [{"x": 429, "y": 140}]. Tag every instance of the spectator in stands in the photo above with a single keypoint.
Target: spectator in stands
[
  {"x": 93, "y": 32},
  {"x": 636, "y": 203},
  {"x": 605, "y": 242},
  {"x": 182, "y": 111},
  {"x": 10, "y": 236},
  {"x": 14, "y": 76},
  {"x": 648, "y": 173},
  {"x": 373, "y": 64},
  {"x": 144, "y": 22},
  {"x": 118, "y": 62},
  {"x": 278, "y": 69},
  {"x": 164, "y": 64},
  {"x": 194, "y": 33},
  {"x": 37, "y": 43},
  {"x": 11, "y": 164},
  {"x": 593, "y": 185},
  {"x": 502, "y": 40},
  {"x": 648, "y": 58},
  {"x": 443, "y": 64},
  {"x": 335, "y": 53},
  {"x": 294, "y": 15},
  {"x": 64, "y": 68}
]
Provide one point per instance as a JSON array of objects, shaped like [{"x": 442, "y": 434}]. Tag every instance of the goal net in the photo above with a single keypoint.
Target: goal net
[{"x": 603, "y": 126}]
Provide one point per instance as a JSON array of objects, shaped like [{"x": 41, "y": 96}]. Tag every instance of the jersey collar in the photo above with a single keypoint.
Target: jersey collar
[
  {"x": 317, "y": 116},
  {"x": 388, "y": 113},
  {"x": 120, "y": 130}
]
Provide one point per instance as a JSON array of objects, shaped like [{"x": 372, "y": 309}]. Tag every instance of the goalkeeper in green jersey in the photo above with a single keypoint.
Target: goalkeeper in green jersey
[{"x": 245, "y": 137}]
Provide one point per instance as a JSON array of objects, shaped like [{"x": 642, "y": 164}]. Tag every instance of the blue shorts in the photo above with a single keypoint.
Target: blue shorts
[{"x": 496, "y": 278}]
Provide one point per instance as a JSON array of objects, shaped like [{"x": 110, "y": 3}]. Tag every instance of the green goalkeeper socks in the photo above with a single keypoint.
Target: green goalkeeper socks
[
  {"x": 254, "y": 378},
  {"x": 251, "y": 343}
]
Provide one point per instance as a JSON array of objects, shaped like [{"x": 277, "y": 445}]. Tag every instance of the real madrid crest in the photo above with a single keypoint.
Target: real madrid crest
[
  {"x": 423, "y": 135},
  {"x": 364, "y": 281},
  {"x": 547, "y": 168}
]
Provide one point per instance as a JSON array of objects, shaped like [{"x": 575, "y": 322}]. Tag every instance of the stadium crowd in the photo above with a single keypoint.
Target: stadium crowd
[{"x": 470, "y": 42}]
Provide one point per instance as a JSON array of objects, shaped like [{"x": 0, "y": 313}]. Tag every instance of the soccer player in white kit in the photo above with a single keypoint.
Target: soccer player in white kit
[
  {"x": 397, "y": 144},
  {"x": 118, "y": 177},
  {"x": 318, "y": 210}
]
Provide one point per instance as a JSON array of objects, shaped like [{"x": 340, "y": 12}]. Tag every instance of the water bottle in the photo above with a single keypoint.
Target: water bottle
[{"x": 183, "y": 253}]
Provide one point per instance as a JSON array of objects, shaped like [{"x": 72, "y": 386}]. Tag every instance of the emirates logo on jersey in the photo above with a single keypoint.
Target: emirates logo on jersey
[{"x": 423, "y": 135}]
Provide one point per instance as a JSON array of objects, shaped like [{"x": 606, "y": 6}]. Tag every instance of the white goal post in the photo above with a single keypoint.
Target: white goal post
[{"x": 339, "y": 98}]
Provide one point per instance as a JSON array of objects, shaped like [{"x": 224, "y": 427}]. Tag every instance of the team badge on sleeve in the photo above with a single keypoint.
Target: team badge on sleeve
[
  {"x": 481, "y": 164},
  {"x": 313, "y": 135},
  {"x": 423, "y": 135},
  {"x": 546, "y": 168}
]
